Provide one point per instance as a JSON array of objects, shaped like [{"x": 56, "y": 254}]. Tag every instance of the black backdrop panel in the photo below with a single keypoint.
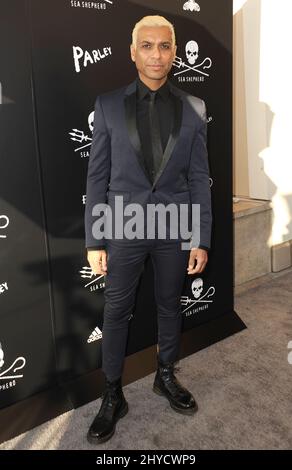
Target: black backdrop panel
[
  {"x": 27, "y": 354},
  {"x": 79, "y": 52},
  {"x": 58, "y": 56}
]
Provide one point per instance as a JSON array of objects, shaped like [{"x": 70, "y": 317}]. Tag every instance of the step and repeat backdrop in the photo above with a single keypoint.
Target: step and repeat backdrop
[{"x": 56, "y": 57}]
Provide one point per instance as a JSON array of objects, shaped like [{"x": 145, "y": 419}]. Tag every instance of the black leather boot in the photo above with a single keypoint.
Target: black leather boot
[
  {"x": 113, "y": 407},
  {"x": 166, "y": 384}
]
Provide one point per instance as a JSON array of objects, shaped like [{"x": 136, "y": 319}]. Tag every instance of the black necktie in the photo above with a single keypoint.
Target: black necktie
[{"x": 157, "y": 151}]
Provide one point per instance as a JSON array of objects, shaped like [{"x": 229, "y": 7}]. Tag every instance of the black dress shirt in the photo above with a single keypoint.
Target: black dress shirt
[{"x": 165, "y": 109}]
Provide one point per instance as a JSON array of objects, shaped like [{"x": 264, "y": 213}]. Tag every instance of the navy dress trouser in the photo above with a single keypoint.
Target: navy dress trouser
[{"x": 125, "y": 263}]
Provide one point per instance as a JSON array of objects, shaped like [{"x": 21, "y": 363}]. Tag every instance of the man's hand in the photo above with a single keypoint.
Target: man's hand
[
  {"x": 98, "y": 261},
  {"x": 201, "y": 257}
]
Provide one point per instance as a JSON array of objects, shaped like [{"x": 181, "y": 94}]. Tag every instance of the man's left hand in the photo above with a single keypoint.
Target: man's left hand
[{"x": 197, "y": 260}]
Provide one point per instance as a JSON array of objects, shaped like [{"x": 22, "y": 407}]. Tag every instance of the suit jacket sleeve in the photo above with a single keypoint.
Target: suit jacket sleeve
[
  {"x": 98, "y": 175},
  {"x": 200, "y": 185}
]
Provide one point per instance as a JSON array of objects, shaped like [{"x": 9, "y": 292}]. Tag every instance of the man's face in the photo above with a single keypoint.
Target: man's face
[{"x": 154, "y": 52}]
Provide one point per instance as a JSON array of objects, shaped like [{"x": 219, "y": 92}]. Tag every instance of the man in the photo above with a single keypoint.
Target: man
[{"x": 148, "y": 147}]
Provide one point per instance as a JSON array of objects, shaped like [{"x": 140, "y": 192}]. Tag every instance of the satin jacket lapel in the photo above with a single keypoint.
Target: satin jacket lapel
[{"x": 131, "y": 121}]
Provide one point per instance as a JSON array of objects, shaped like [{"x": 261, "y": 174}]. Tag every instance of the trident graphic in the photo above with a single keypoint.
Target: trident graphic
[
  {"x": 79, "y": 136},
  {"x": 178, "y": 62}
]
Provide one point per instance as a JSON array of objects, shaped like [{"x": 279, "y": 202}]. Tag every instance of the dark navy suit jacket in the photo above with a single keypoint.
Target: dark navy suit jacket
[{"x": 116, "y": 164}]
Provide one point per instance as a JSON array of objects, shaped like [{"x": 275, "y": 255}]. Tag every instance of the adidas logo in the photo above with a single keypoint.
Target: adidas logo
[{"x": 95, "y": 335}]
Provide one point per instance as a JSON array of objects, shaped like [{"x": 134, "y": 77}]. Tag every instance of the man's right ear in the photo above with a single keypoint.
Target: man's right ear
[{"x": 132, "y": 52}]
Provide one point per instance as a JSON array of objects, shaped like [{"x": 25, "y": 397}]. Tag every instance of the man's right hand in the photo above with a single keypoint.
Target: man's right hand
[{"x": 98, "y": 261}]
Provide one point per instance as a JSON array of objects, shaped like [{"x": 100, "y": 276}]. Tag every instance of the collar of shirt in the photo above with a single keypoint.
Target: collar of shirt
[{"x": 143, "y": 90}]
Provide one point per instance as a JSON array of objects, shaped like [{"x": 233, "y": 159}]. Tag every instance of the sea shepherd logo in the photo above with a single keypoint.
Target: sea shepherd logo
[
  {"x": 9, "y": 374},
  {"x": 193, "y": 68},
  {"x": 91, "y": 5},
  {"x": 200, "y": 300},
  {"x": 83, "y": 138}
]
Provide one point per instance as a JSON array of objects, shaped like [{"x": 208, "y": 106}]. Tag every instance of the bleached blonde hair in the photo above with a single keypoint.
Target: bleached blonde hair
[{"x": 152, "y": 20}]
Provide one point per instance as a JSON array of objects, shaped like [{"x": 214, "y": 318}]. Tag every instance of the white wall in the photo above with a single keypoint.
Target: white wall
[{"x": 262, "y": 103}]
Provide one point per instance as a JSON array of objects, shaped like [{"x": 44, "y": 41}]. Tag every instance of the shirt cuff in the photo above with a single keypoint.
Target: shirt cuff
[
  {"x": 99, "y": 247},
  {"x": 203, "y": 247}
]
